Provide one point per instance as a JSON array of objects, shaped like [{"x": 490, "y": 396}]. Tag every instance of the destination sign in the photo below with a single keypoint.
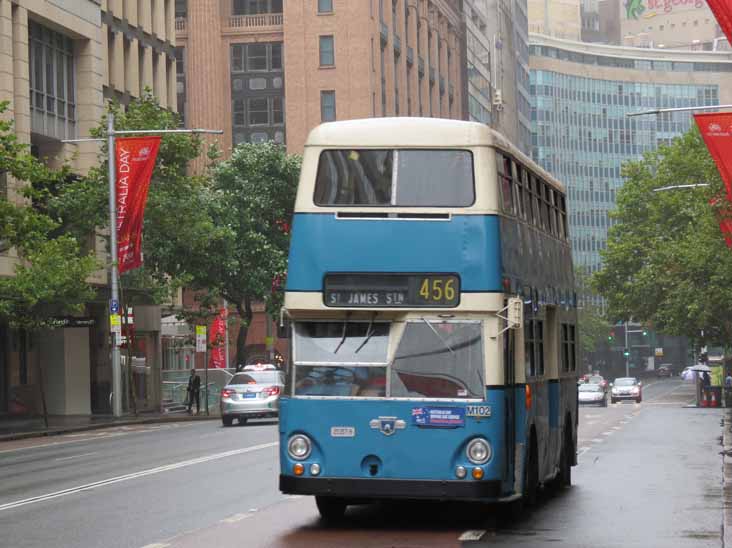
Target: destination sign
[{"x": 391, "y": 290}]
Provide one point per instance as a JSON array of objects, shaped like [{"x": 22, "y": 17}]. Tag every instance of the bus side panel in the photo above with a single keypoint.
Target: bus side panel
[
  {"x": 569, "y": 409},
  {"x": 465, "y": 244},
  {"x": 555, "y": 425},
  {"x": 522, "y": 436}
]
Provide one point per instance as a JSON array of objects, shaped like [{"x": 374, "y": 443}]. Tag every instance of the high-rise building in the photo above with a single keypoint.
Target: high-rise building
[
  {"x": 670, "y": 24},
  {"x": 273, "y": 70},
  {"x": 559, "y": 18},
  {"x": 498, "y": 67},
  {"x": 581, "y": 95},
  {"x": 59, "y": 62}
]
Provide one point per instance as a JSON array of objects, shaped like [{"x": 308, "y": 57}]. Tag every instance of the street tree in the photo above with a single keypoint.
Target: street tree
[
  {"x": 51, "y": 272},
  {"x": 251, "y": 202},
  {"x": 666, "y": 262}
]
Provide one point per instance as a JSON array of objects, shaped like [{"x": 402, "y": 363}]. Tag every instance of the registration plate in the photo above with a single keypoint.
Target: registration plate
[{"x": 250, "y": 395}]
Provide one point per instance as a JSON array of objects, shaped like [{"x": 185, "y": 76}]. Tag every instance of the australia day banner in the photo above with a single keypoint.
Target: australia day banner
[
  {"x": 716, "y": 130},
  {"x": 722, "y": 10},
  {"x": 135, "y": 160}
]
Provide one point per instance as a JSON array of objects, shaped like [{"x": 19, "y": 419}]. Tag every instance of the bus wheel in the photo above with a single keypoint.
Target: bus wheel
[
  {"x": 331, "y": 509},
  {"x": 565, "y": 460},
  {"x": 531, "y": 486}
]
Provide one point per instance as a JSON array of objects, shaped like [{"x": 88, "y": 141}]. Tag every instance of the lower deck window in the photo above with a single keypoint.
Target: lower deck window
[{"x": 433, "y": 359}]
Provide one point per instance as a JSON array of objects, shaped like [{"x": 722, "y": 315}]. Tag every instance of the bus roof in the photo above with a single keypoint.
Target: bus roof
[{"x": 417, "y": 132}]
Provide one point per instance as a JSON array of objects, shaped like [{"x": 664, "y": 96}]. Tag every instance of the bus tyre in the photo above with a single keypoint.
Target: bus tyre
[
  {"x": 331, "y": 509},
  {"x": 227, "y": 421},
  {"x": 242, "y": 421},
  {"x": 531, "y": 486},
  {"x": 565, "y": 460}
]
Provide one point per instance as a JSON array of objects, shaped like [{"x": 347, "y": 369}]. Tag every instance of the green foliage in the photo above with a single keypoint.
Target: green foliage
[
  {"x": 593, "y": 327},
  {"x": 50, "y": 277},
  {"x": 666, "y": 262}
]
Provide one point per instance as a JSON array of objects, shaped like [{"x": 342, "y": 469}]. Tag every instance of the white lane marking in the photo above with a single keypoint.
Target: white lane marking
[
  {"x": 157, "y": 545},
  {"x": 597, "y": 440},
  {"x": 624, "y": 422},
  {"x": 76, "y": 456},
  {"x": 134, "y": 475},
  {"x": 608, "y": 433},
  {"x": 88, "y": 436},
  {"x": 582, "y": 450},
  {"x": 472, "y": 535},
  {"x": 616, "y": 427},
  {"x": 238, "y": 517}
]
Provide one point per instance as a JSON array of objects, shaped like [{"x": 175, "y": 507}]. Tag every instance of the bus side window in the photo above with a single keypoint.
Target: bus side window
[
  {"x": 535, "y": 197},
  {"x": 553, "y": 211},
  {"x": 525, "y": 181},
  {"x": 529, "y": 348},
  {"x": 519, "y": 191},
  {"x": 544, "y": 204},
  {"x": 504, "y": 176}
]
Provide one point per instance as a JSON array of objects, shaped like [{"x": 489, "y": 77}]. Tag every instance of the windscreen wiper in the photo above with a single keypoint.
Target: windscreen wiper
[
  {"x": 369, "y": 332},
  {"x": 343, "y": 338},
  {"x": 439, "y": 336}
]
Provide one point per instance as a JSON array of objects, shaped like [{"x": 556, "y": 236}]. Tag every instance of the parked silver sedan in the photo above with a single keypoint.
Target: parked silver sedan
[
  {"x": 252, "y": 394},
  {"x": 592, "y": 394}
]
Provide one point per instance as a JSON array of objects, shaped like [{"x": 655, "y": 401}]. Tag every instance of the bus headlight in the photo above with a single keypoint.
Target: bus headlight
[
  {"x": 299, "y": 447},
  {"x": 478, "y": 451}
]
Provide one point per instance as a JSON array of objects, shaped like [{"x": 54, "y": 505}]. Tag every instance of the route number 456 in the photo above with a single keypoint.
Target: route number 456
[{"x": 437, "y": 289}]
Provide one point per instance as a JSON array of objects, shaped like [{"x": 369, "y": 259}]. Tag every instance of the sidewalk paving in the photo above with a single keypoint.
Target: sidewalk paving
[
  {"x": 727, "y": 478},
  {"x": 21, "y": 428}
]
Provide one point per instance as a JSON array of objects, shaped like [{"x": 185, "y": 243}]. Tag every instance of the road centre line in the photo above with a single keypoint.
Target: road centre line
[
  {"x": 76, "y": 456},
  {"x": 134, "y": 475}
]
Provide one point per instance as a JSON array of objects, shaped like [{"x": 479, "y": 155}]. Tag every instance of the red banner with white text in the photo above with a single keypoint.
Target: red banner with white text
[
  {"x": 722, "y": 10},
  {"x": 135, "y": 160},
  {"x": 723, "y": 211},
  {"x": 217, "y": 341}
]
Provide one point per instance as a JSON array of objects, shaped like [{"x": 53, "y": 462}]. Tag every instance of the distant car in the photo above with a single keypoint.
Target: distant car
[
  {"x": 626, "y": 388},
  {"x": 594, "y": 394},
  {"x": 252, "y": 393},
  {"x": 663, "y": 371},
  {"x": 598, "y": 379}
]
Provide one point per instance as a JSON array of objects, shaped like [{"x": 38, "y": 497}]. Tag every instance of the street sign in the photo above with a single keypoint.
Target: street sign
[
  {"x": 200, "y": 338},
  {"x": 115, "y": 327},
  {"x": 659, "y": 352},
  {"x": 114, "y": 306}
]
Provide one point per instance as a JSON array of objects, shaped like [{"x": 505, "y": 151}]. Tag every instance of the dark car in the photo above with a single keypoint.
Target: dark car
[{"x": 663, "y": 371}]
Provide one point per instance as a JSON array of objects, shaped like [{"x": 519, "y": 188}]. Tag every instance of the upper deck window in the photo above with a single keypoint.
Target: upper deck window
[{"x": 422, "y": 178}]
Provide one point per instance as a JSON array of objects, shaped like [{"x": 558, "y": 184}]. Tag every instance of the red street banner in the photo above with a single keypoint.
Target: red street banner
[
  {"x": 135, "y": 160},
  {"x": 722, "y": 10},
  {"x": 716, "y": 130},
  {"x": 723, "y": 211},
  {"x": 217, "y": 341}
]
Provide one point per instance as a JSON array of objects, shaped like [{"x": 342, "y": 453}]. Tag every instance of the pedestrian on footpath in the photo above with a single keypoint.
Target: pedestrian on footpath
[{"x": 194, "y": 390}]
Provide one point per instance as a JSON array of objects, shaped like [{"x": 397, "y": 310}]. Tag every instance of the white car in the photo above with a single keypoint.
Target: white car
[{"x": 593, "y": 394}]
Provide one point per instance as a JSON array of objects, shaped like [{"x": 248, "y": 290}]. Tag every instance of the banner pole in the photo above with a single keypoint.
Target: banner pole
[{"x": 113, "y": 273}]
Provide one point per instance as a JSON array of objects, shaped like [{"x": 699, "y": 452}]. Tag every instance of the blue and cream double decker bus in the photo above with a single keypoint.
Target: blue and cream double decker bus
[{"x": 433, "y": 319}]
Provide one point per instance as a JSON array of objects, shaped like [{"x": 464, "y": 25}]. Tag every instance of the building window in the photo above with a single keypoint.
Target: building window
[
  {"x": 327, "y": 53},
  {"x": 325, "y": 6},
  {"x": 276, "y": 60},
  {"x": 239, "y": 112},
  {"x": 256, "y": 7},
  {"x": 327, "y": 106},
  {"x": 278, "y": 115},
  {"x": 52, "y": 83},
  {"x": 258, "y": 111},
  {"x": 256, "y": 57}
]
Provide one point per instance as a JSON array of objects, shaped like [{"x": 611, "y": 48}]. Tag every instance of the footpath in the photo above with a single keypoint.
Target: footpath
[{"x": 17, "y": 429}]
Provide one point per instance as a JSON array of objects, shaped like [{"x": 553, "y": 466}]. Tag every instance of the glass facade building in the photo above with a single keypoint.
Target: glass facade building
[{"x": 580, "y": 129}]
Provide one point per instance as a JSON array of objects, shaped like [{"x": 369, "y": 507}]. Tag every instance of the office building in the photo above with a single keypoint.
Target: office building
[
  {"x": 498, "y": 67},
  {"x": 559, "y": 18},
  {"x": 59, "y": 62},
  {"x": 581, "y": 94},
  {"x": 273, "y": 70}
]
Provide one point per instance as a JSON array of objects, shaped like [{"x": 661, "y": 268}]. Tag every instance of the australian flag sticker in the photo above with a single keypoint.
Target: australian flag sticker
[{"x": 439, "y": 417}]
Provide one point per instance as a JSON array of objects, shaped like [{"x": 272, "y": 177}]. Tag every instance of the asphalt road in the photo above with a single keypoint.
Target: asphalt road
[{"x": 649, "y": 475}]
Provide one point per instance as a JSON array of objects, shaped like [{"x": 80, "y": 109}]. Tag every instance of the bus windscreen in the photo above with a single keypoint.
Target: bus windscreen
[{"x": 422, "y": 178}]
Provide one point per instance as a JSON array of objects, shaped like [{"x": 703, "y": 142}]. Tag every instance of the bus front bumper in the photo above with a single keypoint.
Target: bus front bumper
[{"x": 367, "y": 488}]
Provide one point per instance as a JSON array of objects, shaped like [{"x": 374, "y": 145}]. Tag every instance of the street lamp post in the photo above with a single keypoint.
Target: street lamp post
[{"x": 113, "y": 266}]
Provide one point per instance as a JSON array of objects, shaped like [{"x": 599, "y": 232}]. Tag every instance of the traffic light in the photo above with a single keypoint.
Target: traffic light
[
  {"x": 626, "y": 353},
  {"x": 611, "y": 337},
  {"x": 645, "y": 332}
]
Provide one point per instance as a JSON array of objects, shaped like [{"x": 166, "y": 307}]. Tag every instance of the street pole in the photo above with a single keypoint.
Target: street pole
[
  {"x": 627, "y": 352},
  {"x": 205, "y": 376},
  {"x": 113, "y": 270},
  {"x": 226, "y": 333}
]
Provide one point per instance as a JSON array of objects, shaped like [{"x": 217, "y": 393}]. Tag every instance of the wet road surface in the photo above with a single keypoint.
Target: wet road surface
[{"x": 649, "y": 475}]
